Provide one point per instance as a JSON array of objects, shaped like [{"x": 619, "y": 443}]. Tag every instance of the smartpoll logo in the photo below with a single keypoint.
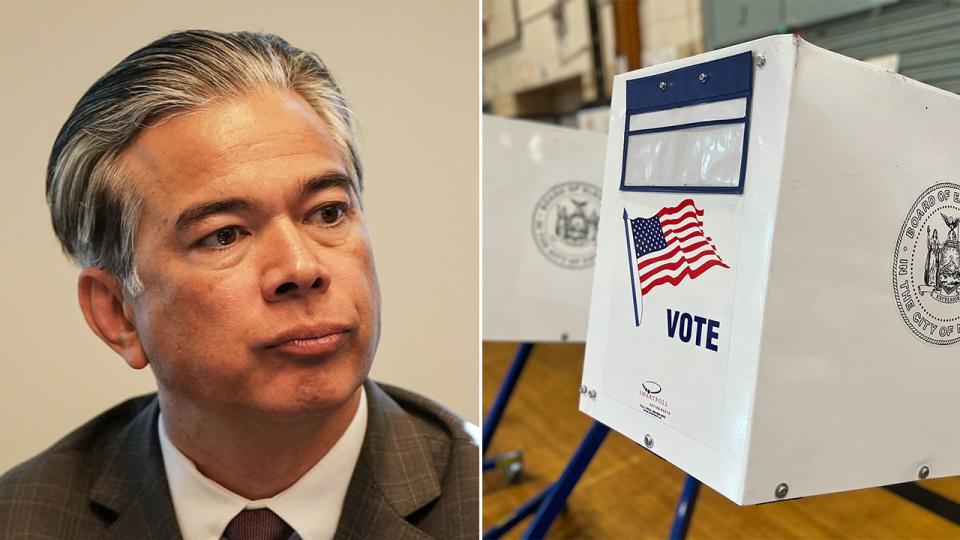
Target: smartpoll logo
[
  {"x": 651, "y": 387},
  {"x": 655, "y": 405}
]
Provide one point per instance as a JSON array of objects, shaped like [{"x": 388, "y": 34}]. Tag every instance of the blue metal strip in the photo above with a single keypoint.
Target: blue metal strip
[
  {"x": 623, "y": 155},
  {"x": 746, "y": 144},
  {"x": 685, "y": 189},
  {"x": 730, "y": 75},
  {"x": 724, "y": 79}
]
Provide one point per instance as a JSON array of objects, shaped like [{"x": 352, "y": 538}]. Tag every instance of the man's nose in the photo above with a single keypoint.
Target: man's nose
[{"x": 293, "y": 265}]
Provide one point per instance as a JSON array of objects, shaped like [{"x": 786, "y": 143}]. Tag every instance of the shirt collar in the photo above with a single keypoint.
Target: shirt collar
[{"x": 312, "y": 505}]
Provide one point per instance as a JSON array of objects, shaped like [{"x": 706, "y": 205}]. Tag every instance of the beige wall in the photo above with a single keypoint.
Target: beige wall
[
  {"x": 670, "y": 29},
  {"x": 411, "y": 71}
]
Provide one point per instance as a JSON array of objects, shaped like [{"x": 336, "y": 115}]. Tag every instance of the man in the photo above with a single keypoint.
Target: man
[{"x": 209, "y": 188}]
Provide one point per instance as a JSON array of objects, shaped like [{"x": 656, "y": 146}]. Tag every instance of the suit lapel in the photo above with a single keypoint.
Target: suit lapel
[
  {"x": 394, "y": 478},
  {"x": 133, "y": 484}
]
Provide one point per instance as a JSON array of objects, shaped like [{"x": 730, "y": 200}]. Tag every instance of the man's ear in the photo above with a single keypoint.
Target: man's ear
[{"x": 102, "y": 302}]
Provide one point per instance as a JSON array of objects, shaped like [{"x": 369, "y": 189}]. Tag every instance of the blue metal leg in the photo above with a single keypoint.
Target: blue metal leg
[
  {"x": 557, "y": 497},
  {"x": 681, "y": 519},
  {"x": 506, "y": 390},
  {"x": 518, "y": 515}
]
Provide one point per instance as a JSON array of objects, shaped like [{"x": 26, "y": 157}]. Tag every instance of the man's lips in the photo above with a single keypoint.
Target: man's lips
[{"x": 310, "y": 341}]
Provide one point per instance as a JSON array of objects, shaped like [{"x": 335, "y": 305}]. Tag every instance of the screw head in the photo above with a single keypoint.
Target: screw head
[
  {"x": 781, "y": 491},
  {"x": 583, "y": 389},
  {"x": 592, "y": 394},
  {"x": 759, "y": 61},
  {"x": 663, "y": 85},
  {"x": 923, "y": 472},
  {"x": 703, "y": 77},
  {"x": 648, "y": 440}
]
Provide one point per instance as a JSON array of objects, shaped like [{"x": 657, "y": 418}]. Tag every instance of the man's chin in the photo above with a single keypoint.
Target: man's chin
[{"x": 304, "y": 403}]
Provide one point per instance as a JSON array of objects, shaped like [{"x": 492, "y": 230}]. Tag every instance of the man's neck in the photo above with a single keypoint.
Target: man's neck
[{"x": 254, "y": 457}]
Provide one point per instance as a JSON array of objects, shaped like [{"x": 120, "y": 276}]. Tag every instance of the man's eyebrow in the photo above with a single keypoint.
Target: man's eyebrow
[
  {"x": 326, "y": 181},
  {"x": 196, "y": 213},
  {"x": 318, "y": 183}
]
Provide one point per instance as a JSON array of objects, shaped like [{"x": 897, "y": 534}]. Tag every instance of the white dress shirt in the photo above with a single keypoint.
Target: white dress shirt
[{"x": 312, "y": 505}]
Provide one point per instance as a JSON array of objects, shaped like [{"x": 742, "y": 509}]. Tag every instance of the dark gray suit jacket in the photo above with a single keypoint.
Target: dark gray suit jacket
[{"x": 417, "y": 477}]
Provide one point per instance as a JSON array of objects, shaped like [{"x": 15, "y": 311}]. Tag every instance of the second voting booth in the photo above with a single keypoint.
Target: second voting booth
[
  {"x": 541, "y": 204},
  {"x": 776, "y": 298}
]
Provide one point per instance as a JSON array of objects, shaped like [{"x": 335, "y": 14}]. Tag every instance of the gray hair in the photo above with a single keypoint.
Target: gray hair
[{"x": 94, "y": 208}]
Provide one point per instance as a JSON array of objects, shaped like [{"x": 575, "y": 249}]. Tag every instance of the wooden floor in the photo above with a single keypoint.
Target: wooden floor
[{"x": 628, "y": 492}]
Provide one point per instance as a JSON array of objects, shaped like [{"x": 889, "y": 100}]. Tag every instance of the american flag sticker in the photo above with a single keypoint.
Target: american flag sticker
[{"x": 667, "y": 248}]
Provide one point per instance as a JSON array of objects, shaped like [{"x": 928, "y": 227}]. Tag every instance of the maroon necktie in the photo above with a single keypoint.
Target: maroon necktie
[{"x": 260, "y": 524}]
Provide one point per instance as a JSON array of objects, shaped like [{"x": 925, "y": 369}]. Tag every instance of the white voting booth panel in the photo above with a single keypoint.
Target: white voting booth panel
[
  {"x": 775, "y": 304},
  {"x": 541, "y": 205}
]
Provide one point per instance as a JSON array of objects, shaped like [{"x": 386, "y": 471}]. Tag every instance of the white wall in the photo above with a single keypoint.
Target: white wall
[{"x": 410, "y": 69}]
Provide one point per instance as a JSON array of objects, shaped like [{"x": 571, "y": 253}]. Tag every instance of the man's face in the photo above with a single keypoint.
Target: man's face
[{"x": 260, "y": 289}]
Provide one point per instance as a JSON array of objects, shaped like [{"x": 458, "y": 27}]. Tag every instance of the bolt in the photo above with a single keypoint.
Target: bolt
[
  {"x": 663, "y": 85},
  {"x": 583, "y": 389},
  {"x": 924, "y": 472},
  {"x": 703, "y": 77},
  {"x": 759, "y": 61},
  {"x": 781, "y": 491},
  {"x": 648, "y": 440},
  {"x": 592, "y": 394}
]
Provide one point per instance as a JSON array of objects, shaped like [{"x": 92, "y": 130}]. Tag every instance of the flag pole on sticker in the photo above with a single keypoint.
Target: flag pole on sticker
[
  {"x": 637, "y": 300},
  {"x": 667, "y": 248}
]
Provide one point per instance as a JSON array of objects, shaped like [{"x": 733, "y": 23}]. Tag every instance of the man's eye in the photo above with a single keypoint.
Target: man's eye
[
  {"x": 222, "y": 238},
  {"x": 331, "y": 214}
]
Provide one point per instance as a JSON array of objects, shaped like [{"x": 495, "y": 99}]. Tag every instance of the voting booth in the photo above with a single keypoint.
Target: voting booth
[
  {"x": 775, "y": 306},
  {"x": 541, "y": 207}
]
